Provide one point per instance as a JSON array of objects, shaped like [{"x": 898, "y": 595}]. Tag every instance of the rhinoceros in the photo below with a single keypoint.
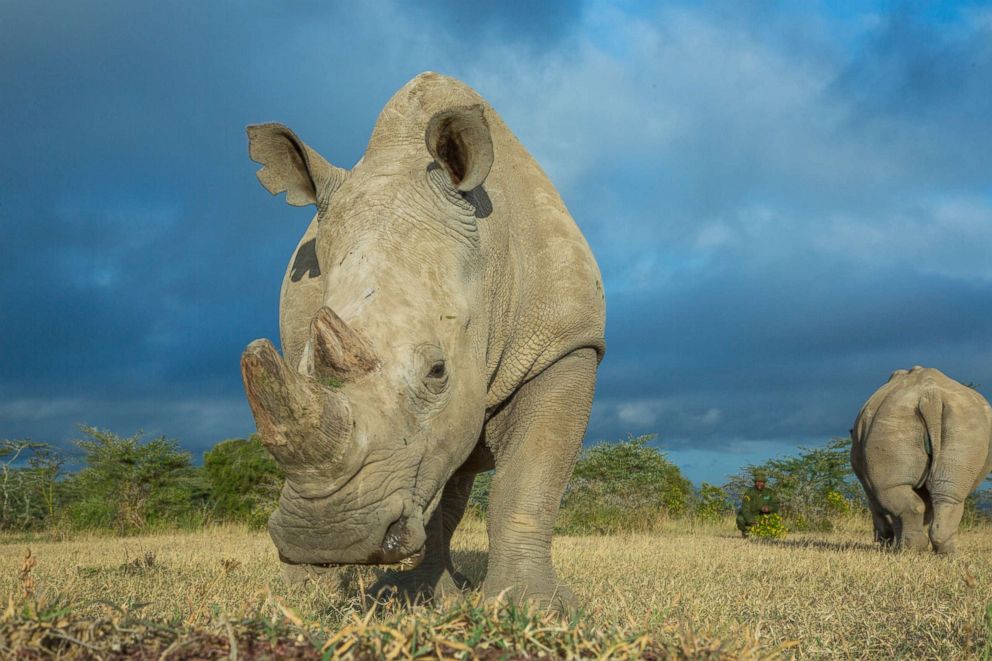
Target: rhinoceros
[
  {"x": 921, "y": 443},
  {"x": 442, "y": 315}
]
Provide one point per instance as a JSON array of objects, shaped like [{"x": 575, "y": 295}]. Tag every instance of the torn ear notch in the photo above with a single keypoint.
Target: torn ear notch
[{"x": 290, "y": 165}]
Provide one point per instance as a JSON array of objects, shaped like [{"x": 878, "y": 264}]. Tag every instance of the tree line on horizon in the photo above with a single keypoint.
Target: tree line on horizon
[{"x": 127, "y": 485}]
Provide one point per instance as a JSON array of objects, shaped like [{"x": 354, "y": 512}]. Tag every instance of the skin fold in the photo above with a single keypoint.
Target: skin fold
[
  {"x": 441, "y": 315},
  {"x": 921, "y": 444}
]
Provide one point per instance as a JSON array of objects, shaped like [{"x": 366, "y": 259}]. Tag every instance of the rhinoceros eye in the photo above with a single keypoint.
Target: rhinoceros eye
[
  {"x": 433, "y": 370},
  {"x": 437, "y": 377}
]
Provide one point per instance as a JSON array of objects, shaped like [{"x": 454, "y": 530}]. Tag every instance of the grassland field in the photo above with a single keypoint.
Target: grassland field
[{"x": 686, "y": 591}]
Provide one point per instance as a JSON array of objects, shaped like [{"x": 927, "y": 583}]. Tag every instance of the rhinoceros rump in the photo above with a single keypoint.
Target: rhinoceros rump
[
  {"x": 442, "y": 315},
  {"x": 921, "y": 443}
]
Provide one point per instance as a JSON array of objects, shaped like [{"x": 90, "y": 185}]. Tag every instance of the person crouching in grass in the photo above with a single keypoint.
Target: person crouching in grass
[{"x": 757, "y": 501}]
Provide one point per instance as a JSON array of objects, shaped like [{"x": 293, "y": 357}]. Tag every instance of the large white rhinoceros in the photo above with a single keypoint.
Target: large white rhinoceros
[
  {"x": 921, "y": 444},
  {"x": 441, "y": 316}
]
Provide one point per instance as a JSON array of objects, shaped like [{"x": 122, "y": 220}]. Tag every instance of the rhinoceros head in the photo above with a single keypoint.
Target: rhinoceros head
[{"x": 379, "y": 394}]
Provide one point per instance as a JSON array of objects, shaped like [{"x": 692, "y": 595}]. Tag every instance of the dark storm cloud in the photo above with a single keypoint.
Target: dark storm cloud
[
  {"x": 786, "y": 204},
  {"x": 140, "y": 255},
  {"x": 809, "y": 340},
  {"x": 786, "y": 232}
]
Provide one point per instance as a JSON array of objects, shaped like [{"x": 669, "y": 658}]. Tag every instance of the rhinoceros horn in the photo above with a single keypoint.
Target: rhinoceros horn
[
  {"x": 336, "y": 351},
  {"x": 305, "y": 424}
]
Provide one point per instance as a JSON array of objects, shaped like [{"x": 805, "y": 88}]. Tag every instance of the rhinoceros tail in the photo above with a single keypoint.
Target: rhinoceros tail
[{"x": 931, "y": 409}]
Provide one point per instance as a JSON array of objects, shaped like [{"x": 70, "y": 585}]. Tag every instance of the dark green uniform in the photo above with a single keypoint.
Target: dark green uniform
[{"x": 752, "y": 502}]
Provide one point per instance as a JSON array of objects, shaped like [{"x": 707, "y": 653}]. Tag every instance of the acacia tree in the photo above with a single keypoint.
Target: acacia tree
[
  {"x": 28, "y": 477},
  {"x": 127, "y": 483},
  {"x": 623, "y": 486},
  {"x": 244, "y": 480},
  {"x": 45, "y": 468},
  {"x": 712, "y": 502}
]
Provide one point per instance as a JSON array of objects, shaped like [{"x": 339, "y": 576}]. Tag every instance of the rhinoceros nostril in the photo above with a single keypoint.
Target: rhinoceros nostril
[{"x": 397, "y": 535}]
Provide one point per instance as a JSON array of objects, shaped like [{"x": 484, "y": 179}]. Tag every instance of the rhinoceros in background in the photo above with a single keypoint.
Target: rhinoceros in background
[
  {"x": 442, "y": 315},
  {"x": 921, "y": 444}
]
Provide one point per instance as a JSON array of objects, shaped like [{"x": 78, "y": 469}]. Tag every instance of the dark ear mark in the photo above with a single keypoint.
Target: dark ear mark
[
  {"x": 460, "y": 142},
  {"x": 291, "y": 166}
]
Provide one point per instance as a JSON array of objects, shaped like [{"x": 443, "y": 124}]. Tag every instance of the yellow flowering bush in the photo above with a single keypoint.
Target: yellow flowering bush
[
  {"x": 768, "y": 526},
  {"x": 837, "y": 504}
]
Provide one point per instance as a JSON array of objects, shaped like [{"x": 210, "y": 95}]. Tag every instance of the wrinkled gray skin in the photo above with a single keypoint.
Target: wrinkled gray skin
[
  {"x": 921, "y": 444},
  {"x": 441, "y": 316}
]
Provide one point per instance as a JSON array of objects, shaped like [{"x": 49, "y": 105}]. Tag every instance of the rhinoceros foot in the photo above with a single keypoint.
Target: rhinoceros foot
[
  {"x": 541, "y": 590},
  {"x": 304, "y": 576},
  {"x": 914, "y": 540},
  {"x": 419, "y": 585}
]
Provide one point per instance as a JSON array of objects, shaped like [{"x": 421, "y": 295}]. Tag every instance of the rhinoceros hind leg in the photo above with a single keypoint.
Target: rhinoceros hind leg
[
  {"x": 536, "y": 439},
  {"x": 881, "y": 521},
  {"x": 435, "y": 576},
  {"x": 907, "y": 510},
  {"x": 944, "y": 529}
]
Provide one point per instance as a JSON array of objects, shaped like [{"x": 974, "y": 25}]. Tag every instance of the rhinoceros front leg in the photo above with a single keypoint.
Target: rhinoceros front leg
[
  {"x": 535, "y": 442},
  {"x": 435, "y": 575}
]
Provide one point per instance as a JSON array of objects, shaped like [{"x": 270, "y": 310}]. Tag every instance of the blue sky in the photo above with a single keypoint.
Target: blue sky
[{"x": 787, "y": 202}]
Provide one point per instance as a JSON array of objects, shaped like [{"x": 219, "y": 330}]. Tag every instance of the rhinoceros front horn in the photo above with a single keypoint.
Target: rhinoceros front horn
[
  {"x": 336, "y": 350},
  {"x": 303, "y": 423}
]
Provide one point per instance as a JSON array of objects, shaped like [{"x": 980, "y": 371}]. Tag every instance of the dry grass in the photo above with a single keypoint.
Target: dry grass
[{"x": 695, "y": 592}]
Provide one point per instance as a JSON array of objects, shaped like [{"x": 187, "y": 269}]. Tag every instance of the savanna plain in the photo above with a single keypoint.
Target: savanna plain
[{"x": 684, "y": 590}]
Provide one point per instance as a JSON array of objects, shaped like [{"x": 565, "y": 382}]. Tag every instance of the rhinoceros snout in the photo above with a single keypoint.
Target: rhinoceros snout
[{"x": 325, "y": 545}]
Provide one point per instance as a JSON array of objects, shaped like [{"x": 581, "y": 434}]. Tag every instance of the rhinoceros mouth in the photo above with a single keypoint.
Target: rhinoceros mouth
[
  {"x": 403, "y": 546},
  {"x": 320, "y": 565},
  {"x": 376, "y": 558}
]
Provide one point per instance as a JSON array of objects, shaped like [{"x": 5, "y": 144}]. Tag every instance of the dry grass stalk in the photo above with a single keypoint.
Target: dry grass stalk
[{"x": 689, "y": 591}]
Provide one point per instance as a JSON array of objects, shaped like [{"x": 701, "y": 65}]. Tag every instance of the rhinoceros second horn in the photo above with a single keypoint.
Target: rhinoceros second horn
[{"x": 336, "y": 350}]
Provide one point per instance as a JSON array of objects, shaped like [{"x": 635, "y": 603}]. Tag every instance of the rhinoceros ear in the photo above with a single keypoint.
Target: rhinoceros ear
[
  {"x": 291, "y": 166},
  {"x": 459, "y": 140}
]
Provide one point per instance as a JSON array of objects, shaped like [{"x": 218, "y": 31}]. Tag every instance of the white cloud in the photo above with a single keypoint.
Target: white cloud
[
  {"x": 658, "y": 414},
  {"x": 638, "y": 414},
  {"x": 949, "y": 235},
  {"x": 700, "y": 133}
]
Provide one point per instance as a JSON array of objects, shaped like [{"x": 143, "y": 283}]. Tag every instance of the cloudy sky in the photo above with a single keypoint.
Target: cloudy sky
[{"x": 787, "y": 203}]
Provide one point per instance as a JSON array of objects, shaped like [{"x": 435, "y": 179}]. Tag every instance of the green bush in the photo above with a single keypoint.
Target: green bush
[
  {"x": 836, "y": 503},
  {"x": 29, "y": 475},
  {"x": 244, "y": 481},
  {"x": 624, "y": 486},
  {"x": 978, "y": 508},
  {"x": 91, "y": 512},
  {"x": 132, "y": 485},
  {"x": 712, "y": 503}
]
